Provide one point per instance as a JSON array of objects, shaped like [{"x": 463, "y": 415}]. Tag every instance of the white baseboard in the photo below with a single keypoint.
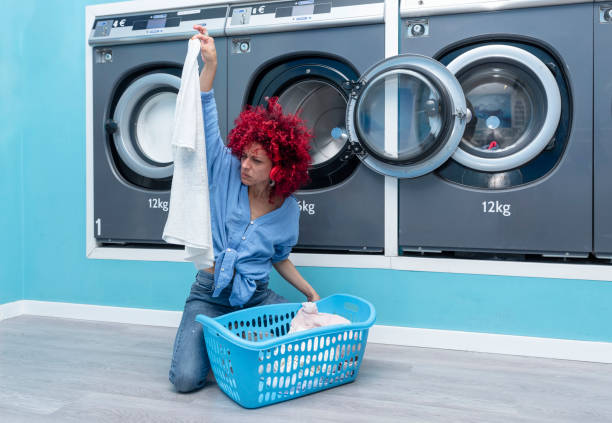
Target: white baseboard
[
  {"x": 12, "y": 309},
  {"x": 567, "y": 349},
  {"x": 529, "y": 346},
  {"x": 135, "y": 316}
]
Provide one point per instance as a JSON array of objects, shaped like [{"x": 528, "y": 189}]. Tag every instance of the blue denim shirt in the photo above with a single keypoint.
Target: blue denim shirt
[{"x": 241, "y": 245}]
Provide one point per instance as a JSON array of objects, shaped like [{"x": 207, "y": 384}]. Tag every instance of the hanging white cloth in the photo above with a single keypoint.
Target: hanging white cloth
[{"x": 188, "y": 220}]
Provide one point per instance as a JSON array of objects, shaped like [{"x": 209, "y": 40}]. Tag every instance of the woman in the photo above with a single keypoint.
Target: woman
[{"x": 254, "y": 218}]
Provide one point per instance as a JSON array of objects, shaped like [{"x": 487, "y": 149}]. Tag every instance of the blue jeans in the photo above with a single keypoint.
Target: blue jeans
[{"x": 190, "y": 363}]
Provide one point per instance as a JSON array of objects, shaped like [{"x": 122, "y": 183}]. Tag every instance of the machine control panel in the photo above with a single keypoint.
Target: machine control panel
[
  {"x": 414, "y": 8},
  {"x": 173, "y": 24},
  {"x": 269, "y": 16}
]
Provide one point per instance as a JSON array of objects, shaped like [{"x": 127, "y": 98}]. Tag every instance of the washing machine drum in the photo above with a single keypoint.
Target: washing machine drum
[
  {"x": 514, "y": 106},
  {"x": 317, "y": 90},
  {"x": 144, "y": 117},
  {"x": 323, "y": 107}
]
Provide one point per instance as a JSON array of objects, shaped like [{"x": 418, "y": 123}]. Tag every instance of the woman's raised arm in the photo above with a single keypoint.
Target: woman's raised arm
[{"x": 214, "y": 144}]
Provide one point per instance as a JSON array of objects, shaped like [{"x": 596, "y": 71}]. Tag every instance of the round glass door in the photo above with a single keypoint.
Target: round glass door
[
  {"x": 152, "y": 131},
  {"x": 145, "y": 117},
  {"x": 514, "y": 105},
  {"x": 406, "y": 116}
]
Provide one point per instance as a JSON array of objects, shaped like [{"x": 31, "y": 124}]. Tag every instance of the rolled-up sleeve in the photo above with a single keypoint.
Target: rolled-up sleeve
[{"x": 281, "y": 252}]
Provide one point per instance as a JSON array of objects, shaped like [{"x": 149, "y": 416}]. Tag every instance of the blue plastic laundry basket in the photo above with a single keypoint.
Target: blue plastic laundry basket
[{"x": 257, "y": 363}]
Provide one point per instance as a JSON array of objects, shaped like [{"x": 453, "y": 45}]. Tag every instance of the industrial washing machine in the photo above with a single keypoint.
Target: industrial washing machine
[
  {"x": 325, "y": 60},
  {"x": 520, "y": 180},
  {"x": 137, "y": 60},
  {"x": 602, "y": 201}
]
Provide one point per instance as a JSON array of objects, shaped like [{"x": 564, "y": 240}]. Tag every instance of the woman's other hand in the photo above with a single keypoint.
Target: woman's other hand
[
  {"x": 312, "y": 297},
  {"x": 207, "y": 45}
]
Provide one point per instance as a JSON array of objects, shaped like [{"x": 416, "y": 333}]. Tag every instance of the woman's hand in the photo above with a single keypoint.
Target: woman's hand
[
  {"x": 209, "y": 55},
  {"x": 312, "y": 297},
  {"x": 207, "y": 45}
]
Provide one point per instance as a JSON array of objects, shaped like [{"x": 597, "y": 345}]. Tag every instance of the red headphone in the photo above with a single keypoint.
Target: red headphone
[{"x": 275, "y": 173}]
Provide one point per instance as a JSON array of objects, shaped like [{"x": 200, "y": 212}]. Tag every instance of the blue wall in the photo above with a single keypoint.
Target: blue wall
[
  {"x": 11, "y": 147},
  {"x": 49, "y": 113}
]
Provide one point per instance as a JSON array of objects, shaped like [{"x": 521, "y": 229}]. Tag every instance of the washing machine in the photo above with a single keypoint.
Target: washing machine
[
  {"x": 520, "y": 179},
  {"x": 137, "y": 60},
  {"x": 602, "y": 213},
  {"x": 311, "y": 54}
]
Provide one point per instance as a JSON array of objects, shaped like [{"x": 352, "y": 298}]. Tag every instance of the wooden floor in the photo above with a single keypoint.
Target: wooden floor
[{"x": 64, "y": 370}]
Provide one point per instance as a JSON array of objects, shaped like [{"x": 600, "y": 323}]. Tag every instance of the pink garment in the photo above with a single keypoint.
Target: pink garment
[{"x": 308, "y": 317}]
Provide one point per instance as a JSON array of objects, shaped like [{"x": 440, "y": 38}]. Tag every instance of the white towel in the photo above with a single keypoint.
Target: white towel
[{"x": 188, "y": 220}]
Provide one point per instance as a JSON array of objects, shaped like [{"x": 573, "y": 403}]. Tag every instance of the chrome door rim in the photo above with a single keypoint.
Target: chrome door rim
[{"x": 521, "y": 58}]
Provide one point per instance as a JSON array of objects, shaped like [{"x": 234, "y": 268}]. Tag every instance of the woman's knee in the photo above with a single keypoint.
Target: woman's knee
[{"x": 185, "y": 381}]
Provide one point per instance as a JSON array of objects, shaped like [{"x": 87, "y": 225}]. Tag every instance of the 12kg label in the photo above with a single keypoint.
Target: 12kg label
[
  {"x": 496, "y": 207},
  {"x": 157, "y": 203}
]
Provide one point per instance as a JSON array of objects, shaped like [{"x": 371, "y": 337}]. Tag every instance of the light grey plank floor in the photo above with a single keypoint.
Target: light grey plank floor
[{"x": 61, "y": 370}]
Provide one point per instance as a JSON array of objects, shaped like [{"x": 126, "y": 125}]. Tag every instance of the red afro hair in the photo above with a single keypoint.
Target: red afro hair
[{"x": 284, "y": 137}]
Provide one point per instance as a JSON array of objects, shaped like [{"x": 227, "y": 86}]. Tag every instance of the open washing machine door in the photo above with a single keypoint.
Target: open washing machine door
[{"x": 406, "y": 116}]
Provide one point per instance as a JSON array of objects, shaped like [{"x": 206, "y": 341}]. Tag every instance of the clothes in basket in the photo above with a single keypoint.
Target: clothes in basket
[{"x": 309, "y": 317}]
